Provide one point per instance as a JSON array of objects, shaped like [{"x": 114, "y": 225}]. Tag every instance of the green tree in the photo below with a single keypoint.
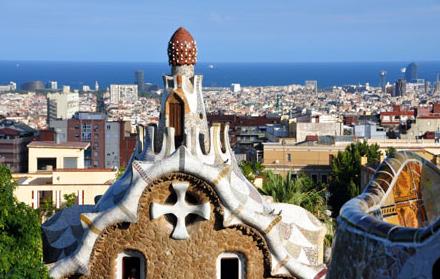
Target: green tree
[
  {"x": 346, "y": 173},
  {"x": 251, "y": 170},
  {"x": 390, "y": 152},
  {"x": 300, "y": 191},
  {"x": 69, "y": 200},
  {"x": 20, "y": 234},
  {"x": 46, "y": 210}
]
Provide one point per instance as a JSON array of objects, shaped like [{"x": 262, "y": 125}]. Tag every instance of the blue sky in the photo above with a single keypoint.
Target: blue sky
[{"x": 226, "y": 31}]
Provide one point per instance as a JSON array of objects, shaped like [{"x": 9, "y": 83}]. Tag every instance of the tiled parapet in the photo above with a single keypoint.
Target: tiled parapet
[{"x": 366, "y": 246}]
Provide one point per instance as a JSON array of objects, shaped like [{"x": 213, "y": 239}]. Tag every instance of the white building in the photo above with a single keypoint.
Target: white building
[
  {"x": 123, "y": 93},
  {"x": 12, "y": 86},
  {"x": 86, "y": 88},
  {"x": 62, "y": 105},
  {"x": 53, "y": 84},
  {"x": 311, "y": 85},
  {"x": 112, "y": 133},
  {"x": 66, "y": 88},
  {"x": 235, "y": 87}
]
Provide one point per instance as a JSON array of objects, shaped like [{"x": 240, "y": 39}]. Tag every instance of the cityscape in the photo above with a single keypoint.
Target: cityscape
[{"x": 178, "y": 168}]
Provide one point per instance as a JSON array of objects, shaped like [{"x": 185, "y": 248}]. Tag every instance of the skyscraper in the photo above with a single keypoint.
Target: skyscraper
[
  {"x": 382, "y": 75},
  {"x": 139, "y": 80},
  {"x": 400, "y": 88},
  {"x": 411, "y": 72}
]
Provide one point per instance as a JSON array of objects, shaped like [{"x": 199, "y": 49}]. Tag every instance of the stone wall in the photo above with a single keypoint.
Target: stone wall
[{"x": 168, "y": 258}]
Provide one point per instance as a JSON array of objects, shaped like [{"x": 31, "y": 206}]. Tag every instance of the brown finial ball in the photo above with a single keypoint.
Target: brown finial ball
[{"x": 182, "y": 49}]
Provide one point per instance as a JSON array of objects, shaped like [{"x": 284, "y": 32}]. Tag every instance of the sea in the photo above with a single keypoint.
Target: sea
[{"x": 77, "y": 74}]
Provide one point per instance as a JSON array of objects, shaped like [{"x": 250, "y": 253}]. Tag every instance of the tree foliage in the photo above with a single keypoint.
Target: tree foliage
[
  {"x": 69, "y": 200},
  {"x": 345, "y": 180},
  {"x": 119, "y": 173},
  {"x": 251, "y": 170},
  {"x": 47, "y": 208},
  {"x": 20, "y": 234},
  {"x": 301, "y": 191},
  {"x": 391, "y": 151}
]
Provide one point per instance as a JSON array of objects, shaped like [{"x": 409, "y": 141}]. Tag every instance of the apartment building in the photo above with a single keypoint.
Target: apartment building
[{"x": 14, "y": 137}]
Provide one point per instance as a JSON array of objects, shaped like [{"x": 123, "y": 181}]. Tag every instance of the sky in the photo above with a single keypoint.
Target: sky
[{"x": 225, "y": 31}]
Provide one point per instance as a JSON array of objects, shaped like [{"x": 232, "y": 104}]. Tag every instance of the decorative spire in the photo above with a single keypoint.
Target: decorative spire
[{"x": 182, "y": 49}]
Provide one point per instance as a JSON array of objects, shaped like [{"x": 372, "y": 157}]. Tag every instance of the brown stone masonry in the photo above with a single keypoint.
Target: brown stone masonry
[{"x": 168, "y": 258}]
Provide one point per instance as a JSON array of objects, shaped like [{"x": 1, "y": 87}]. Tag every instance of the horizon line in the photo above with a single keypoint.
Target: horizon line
[{"x": 223, "y": 62}]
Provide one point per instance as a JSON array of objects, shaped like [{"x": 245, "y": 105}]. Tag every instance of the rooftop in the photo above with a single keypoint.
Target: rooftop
[{"x": 50, "y": 144}]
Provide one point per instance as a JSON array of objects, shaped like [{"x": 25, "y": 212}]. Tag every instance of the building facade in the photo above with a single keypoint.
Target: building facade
[
  {"x": 120, "y": 93},
  {"x": 300, "y": 130},
  {"x": 285, "y": 158},
  {"x": 111, "y": 142},
  {"x": 57, "y": 169},
  {"x": 49, "y": 156},
  {"x": 112, "y": 139},
  {"x": 139, "y": 80},
  {"x": 183, "y": 209},
  {"x": 89, "y": 127},
  {"x": 14, "y": 137},
  {"x": 62, "y": 105},
  {"x": 411, "y": 72}
]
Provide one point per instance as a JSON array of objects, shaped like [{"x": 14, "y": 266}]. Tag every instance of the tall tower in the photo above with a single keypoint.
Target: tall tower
[
  {"x": 437, "y": 84},
  {"x": 182, "y": 102},
  {"x": 382, "y": 75},
  {"x": 411, "y": 72},
  {"x": 139, "y": 80}
]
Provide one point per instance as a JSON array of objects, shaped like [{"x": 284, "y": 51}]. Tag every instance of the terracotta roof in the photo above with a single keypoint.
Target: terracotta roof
[
  {"x": 50, "y": 144},
  {"x": 182, "y": 49}
]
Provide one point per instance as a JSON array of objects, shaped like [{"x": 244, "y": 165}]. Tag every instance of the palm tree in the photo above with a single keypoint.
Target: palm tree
[{"x": 300, "y": 191}]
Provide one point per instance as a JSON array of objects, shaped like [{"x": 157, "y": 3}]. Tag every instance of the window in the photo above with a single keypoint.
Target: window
[
  {"x": 289, "y": 157},
  {"x": 45, "y": 197},
  {"x": 46, "y": 164},
  {"x": 314, "y": 178},
  {"x": 130, "y": 265},
  {"x": 230, "y": 266},
  {"x": 86, "y": 132},
  {"x": 70, "y": 162},
  {"x": 324, "y": 178}
]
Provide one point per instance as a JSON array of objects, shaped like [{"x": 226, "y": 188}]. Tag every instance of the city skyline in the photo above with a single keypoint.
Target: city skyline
[{"x": 284, "y": 31}]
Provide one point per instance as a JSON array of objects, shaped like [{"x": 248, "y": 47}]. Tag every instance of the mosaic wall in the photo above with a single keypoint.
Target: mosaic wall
[{"x": 392, "y": 229}]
